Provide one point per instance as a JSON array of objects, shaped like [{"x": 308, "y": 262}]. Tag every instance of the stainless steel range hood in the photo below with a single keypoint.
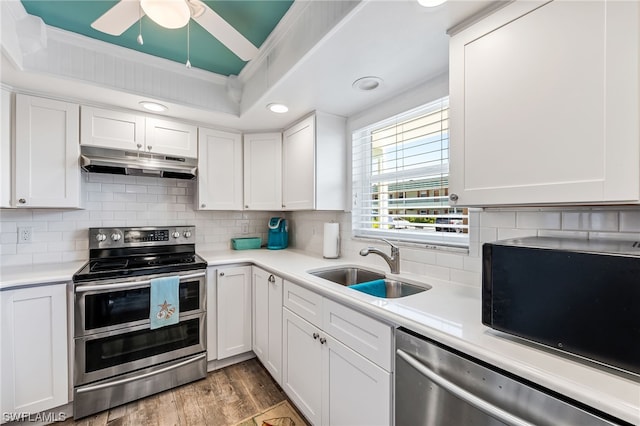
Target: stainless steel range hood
[{"x": 114, "y": 161}]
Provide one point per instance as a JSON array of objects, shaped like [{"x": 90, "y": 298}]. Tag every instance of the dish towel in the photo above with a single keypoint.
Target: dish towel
[
  {"x": 375, "y": 288},
  {"x": 164, "y": 308}
]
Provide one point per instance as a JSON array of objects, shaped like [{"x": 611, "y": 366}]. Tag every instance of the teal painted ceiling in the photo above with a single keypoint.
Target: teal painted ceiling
[{"x": 255, "y": 19}]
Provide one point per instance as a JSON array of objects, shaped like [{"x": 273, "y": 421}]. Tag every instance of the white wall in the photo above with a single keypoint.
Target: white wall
[
  {"x": 485, "y": 226},
  {"x": 114, "y": 200}
]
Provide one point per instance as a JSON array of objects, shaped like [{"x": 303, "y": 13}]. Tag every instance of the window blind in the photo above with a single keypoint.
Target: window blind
[{"x": 401, "y": 177}]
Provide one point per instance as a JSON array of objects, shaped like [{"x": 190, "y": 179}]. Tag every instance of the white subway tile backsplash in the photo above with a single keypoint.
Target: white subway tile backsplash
[
  {"x": 449, "y": 260},
  {"x": 126, "y": 197},
  {"x": 538, "y": 220},
  {"x": 507, "y": 233},
  {"x": 492, "y": 219},
  {"x": 114, "y": 200},
  {"x": 136, "y": 189},
  {"x": 100, "y": 196},
  {"x": 590, "y": 221},
  {"x": 630, "y": 221}
]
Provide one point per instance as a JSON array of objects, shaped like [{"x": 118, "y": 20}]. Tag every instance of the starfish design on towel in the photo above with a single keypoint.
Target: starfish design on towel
[{"x": 166, "y": 310}]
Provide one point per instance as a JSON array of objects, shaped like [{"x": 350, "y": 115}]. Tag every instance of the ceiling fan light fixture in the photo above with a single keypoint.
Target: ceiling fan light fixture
[
  {"x": 278, "y": 108},
  {"x": 170, "y": 14},
  {"x": 153, "y": 106}
]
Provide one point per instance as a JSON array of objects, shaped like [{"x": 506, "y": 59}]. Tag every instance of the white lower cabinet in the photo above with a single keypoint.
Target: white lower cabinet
[
  {"x": 327, "y": 379},
  {"x": 355, "y": 391},
  {"x": 233, "y": 295},
  {"x": 34, "y": 367},
  {"x": 267, "y": 321},
  {"x": 302, "y": 365}
]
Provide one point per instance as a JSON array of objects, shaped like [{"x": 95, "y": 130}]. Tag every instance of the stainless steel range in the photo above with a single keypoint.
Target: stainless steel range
[{"x": 118, "y": 357}]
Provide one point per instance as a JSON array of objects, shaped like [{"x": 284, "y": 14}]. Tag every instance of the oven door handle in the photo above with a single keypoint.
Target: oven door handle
[
  {"x": 464, "y": 395},
  {"x": 130, "y": 284},
  {"x": 139, "y": 377}
]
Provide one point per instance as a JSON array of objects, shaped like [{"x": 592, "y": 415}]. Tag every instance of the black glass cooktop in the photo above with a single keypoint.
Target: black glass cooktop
[{"x": 110, "y": 264}]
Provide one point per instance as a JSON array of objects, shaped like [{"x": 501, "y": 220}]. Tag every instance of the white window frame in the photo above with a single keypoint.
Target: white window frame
[{"x": 363, "y": 182}]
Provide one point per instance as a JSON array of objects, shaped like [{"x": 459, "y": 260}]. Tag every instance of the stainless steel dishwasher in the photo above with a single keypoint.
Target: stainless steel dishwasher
[{"x": 437, "y": 386}]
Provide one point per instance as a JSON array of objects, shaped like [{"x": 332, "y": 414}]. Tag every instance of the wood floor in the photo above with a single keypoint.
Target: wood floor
[{"x": 225, "y": 397}]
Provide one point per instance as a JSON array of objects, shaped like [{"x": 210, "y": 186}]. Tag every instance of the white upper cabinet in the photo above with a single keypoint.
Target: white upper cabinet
[
  {"x": 133, "y": 132},
  {"x": 171, "y": 138},
  {"x": 112, "y": 129},
  {"x": 314, "y": 164},
  {"x": 544, "y": 105},
  {"x": 5, "y": 148},
  {"x": 47, "y": 172},
  {"x": 219, "y": 170},
  {"x": 263, "y": 171}
]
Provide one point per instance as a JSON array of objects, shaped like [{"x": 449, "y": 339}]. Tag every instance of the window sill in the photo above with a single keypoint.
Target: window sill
[{"x": 426, "y": 246}]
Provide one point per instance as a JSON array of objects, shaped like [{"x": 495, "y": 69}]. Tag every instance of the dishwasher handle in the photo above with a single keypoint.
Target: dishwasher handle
[{"x": 468, "y": 397}]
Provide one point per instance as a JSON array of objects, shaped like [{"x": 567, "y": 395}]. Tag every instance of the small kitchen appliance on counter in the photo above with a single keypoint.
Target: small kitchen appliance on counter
[
  {"x": 278, "y": 234},
  {"x": 577, "y": 296}
]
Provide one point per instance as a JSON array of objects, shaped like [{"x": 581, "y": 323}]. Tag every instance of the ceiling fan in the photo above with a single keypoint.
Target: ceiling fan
[{"x": 174, "y": 14}]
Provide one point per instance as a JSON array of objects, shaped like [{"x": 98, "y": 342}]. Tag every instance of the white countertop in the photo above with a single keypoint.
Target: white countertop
[
  {"x": 30, "y": 275},
  {"x": 451, "y": 314},
  {"x": 448, "y": 312}
]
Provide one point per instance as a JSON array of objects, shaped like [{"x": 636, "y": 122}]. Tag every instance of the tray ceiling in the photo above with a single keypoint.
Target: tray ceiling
[{"x": 253, "y": 19}]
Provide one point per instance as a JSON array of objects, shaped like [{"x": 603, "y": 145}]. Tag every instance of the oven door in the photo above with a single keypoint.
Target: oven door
[
  {"x": 114, "y": 304},
  {"x": 108, "y": 354}
]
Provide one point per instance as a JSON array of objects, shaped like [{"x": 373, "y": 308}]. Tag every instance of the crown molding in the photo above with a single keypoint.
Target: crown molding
[{"x": 134, "y": 56}]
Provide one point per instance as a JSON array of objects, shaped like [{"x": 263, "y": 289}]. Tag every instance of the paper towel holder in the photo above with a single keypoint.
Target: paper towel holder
[{"x": 331, "y": 244}]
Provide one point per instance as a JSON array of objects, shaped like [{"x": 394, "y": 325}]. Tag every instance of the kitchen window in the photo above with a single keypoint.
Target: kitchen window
[{"x": 401, "y": 179}]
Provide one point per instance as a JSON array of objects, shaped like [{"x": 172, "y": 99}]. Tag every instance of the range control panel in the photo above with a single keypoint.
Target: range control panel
[{"x": 100, "y": 238}]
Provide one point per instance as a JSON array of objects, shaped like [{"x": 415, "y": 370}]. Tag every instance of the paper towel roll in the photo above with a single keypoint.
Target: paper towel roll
[{"x": 331, "y": 248}]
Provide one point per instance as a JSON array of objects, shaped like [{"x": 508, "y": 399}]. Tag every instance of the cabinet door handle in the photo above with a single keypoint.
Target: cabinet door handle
[
  {"x": 149, "y": 148},
  {"x": 246, "y": 207},
  {"x": 315, "y": 336},
  {"x": 272, "y": 279},
  {"x": 22, "y": 201},
  {"x": 323, "y": 340},
  {"x": 203, "y": 205},
  {"x": 222, "y": 274},
  {"x": 139, "y": 145},
  {"x": 453, "y": 197}
]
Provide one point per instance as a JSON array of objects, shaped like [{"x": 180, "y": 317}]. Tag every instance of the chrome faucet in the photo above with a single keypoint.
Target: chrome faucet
[{"x": 393, "y": 261}]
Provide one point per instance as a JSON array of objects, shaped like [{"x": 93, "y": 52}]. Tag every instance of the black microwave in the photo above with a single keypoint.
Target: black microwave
[{"x": 581, "y": 297}]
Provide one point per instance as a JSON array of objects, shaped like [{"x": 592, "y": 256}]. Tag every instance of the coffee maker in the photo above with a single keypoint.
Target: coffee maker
[{"x": 278, "y": 233}]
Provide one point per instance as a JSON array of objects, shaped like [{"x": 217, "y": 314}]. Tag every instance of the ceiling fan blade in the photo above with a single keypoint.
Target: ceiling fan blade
[
  {"x": 226, "y": 34},
  {"x": 119, "y": 18}
]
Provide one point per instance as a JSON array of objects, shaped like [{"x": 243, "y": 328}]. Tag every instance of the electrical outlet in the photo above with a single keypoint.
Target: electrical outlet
[
  {"x": 24, "y": 234},
  {"x": 244, "y": 227}
]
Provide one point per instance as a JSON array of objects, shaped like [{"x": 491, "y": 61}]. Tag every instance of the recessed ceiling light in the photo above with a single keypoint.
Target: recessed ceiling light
[
  {"x": 278, "y": 108},
  {"x": 367, "y": 84},
  {"x": 153, "y": 106},
  {"x": 431, "y": 3}
]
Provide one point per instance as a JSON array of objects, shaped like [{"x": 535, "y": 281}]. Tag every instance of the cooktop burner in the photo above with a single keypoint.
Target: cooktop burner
[{"x": 128, "y": 252}]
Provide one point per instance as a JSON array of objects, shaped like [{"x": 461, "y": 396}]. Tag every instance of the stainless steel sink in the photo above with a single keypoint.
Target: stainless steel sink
[
  {"x": 348, "y": 275},
  {"x": 394, "y": 289},
  {"x": 351, "y": 276}
]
